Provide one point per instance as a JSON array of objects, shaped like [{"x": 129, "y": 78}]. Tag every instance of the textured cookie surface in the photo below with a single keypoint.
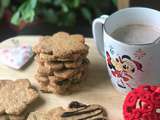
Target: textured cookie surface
[
  {"x": 12, "y": 117},
  {"x": 60, "y": 47},
  {"x": 67, "y": 72},
  {"x": 66, "y": 88},
  {"x": 50, "y": 115},
  {"x": 39, "y": 116},
  {"x": 15, "y": 96},
  {"x": 69, "y": 57},
  {"x": 79, "y": 111},
  {"x": 75, "y": 111},
  {"x": 77, "y": 37},
  {"x": 75, "y": 64},
  {"x": 57, "y": 65},
  {"x": 62, "y": 75}
]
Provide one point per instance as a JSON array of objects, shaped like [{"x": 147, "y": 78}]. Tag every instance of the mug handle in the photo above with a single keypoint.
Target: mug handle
[{"x": 97, "y": 30}]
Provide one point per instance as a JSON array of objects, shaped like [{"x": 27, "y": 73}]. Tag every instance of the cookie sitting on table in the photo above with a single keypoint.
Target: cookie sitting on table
[
  {"x": 15, "y": 98},
  {"x": 75, "y": 111}
]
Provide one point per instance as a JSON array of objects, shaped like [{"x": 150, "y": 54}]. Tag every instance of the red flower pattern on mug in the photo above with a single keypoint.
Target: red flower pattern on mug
[
  {"x": 139, "y": 54},
  {"x": 142, "y": 103}
]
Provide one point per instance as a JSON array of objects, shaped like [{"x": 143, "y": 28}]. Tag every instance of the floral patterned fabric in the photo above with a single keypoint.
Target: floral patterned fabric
[{"x": 16, "y": 57}]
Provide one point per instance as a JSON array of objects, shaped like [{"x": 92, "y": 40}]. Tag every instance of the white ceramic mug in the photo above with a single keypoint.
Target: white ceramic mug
[{"x": 142, "y": 60}]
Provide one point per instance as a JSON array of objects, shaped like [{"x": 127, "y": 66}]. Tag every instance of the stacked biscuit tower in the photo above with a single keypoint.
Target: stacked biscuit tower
[{"x": 62, "y": 62}]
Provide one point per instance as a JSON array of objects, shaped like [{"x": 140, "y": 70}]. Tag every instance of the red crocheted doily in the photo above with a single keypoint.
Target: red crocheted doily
[{"x": 142, "y": 103}]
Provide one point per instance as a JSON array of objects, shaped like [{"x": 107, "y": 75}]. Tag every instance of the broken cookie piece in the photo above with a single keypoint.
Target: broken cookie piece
[{"x": 75, "y": 111}]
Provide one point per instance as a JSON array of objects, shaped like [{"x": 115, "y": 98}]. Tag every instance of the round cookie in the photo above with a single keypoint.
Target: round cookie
[
  {"x": 61, "y": 35},
  {"x": 73, "y": 57},
  {"x": 64, "y": 89},
  {"x": 75, "y": 111},
  {"x": 45, "y": 71},
  {"x": 80, "y": 111},
  {"x": 77, "y": 37},
  {"x": 46, "y": 115},
  {"x": 60, "y": 48},
  {"x": 16, "y": 96},
  {"x": 61, "y": 61},
  {"x": 49, "y": 69},
  {"x": 60, "y": 85},
  {"x": 43, "y": 79},
  {"x": 64, "y": 73},
  {"x": 75, "y": 64},
  {"x": 47, "y": 79},
  {"x": 57, "y": 65},
  {"x": 67, "y": 73},
  {"x": 12, "y": 117},
  {"x": 59, "y": 81},
  {"x": 54, "y": 65}
]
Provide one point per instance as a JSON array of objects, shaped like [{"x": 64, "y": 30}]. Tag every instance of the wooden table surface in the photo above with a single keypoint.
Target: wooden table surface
[{"x": 96, "y": 89}]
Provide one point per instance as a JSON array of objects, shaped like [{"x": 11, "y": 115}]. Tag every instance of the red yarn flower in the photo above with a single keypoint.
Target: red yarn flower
[{"x": 142, "y": 103}]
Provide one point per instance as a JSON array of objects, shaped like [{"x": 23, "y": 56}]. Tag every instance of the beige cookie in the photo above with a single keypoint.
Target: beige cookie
[
  {"x": 3, "y": 117},
  {"x": 64, "y": 35},
  {"x": 54, "y": 80},
  {"x": 55, "y": 65},
  {"x": 59, "y": 64},
  {"x": 15, "y": 96},
  {"x": 80, "y": 111},
  {"x": 72, "y": 57},
  {"x": 41, "y": 78},
  {"x": 38, "y": 115},
  {"x": 62, "y": 86},
  {"x": 66, "y": 88},
  {"x": 75, "y": 64},
  {"x": 77, "y": 37},
  {"x": 75, "y": 111},
  {"x": 50, "y": 115},
  {"x": 58, "y": 76},
  {"x": 61, "y": 35},
  {"x": 47, "y": 79},
  {"x": 66, "y": 73},
  {"x": 12, "y": 117},
  {"x": 60, "y": 48},
  {"x": 45, "y": 71},
  {"x": 48, "y": 58}
]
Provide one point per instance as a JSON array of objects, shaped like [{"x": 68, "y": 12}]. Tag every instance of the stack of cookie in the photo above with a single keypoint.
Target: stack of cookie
[{"x": 62, "y": 62}]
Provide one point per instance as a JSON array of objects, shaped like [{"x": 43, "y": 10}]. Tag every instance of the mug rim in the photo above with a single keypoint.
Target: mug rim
[{"x": 126, "y": 9}]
